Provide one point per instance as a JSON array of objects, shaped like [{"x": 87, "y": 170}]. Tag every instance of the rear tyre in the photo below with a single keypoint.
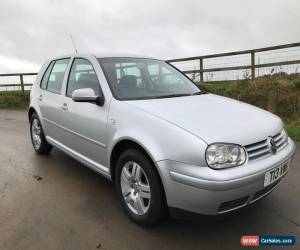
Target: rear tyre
[
  {"x": 139, "y": 188},
  {"x": 39, "y": 143}
]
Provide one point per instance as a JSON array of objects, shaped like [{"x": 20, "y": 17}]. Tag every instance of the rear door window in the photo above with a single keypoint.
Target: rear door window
[
  {"x": 57, "y": 74},
  {"x": 46, "y": 76}
]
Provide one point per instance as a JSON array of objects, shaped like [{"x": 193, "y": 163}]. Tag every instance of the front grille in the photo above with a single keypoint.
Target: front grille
[
  {"x": 228, "y": 205},
  {"x": 261, "y": 149},
  {"x": 264, "y": 191}
]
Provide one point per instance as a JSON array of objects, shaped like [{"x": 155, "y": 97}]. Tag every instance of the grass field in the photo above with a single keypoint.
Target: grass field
[
  {"x": 278, "y": 94},
  {"x": 294, "y": 132},
  {"x": 14, "y": 99}
]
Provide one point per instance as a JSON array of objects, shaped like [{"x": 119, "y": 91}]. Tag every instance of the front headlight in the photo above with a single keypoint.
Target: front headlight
[{"x": 221, "y": 155}]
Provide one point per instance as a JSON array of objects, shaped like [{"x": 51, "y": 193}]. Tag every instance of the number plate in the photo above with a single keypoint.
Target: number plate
[{"x": 275, "y": 174}]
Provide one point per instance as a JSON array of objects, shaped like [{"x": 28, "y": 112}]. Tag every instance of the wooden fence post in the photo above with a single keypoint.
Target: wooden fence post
[
  {"x": 22, "y": 83},
  {"x": 201, "y": 69},
  {"x": 252, "y": 64}
]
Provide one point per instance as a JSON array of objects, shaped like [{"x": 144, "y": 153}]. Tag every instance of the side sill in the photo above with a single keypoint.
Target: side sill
[{"x": 83, "y": 159}]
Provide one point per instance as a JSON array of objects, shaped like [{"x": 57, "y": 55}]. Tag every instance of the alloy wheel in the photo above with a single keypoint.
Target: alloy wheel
[
  {"x": 36, "y": 134},
  {"x": 135, "y": 188}
]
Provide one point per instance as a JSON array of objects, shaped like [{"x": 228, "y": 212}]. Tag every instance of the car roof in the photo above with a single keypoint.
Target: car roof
[{"x": 103, "y": 55}]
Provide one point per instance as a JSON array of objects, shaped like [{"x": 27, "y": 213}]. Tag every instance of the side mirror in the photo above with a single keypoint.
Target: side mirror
[{"x": 87, "y": 95}]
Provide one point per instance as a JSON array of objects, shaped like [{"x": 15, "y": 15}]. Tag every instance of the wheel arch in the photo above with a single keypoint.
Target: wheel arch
[
  {"x": 128, "y": 143},
  {"x": 35, "y": 110},
  {"x": 31, "y": 110},
  {"x": 120, "y": 147}
]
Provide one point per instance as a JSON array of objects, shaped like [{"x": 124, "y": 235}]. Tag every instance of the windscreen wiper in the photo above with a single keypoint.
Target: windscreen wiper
[
  {"x": 199, "y": 93},
  {"x": 171, "y": 95}
]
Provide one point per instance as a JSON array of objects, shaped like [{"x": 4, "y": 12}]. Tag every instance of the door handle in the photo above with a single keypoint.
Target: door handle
[
  {"x": 64, "y": 107},
  {"x": 41, "y": 98}
]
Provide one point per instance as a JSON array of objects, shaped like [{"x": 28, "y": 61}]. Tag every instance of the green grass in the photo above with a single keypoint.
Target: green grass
[
  {"x": 277, "y": 94},
  {"x": 294, "y": 132},
  {"x": 14, "y": 100}
]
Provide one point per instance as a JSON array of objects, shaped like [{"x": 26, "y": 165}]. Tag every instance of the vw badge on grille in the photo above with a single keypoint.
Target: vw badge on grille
[{"x": 272, "y": 145}]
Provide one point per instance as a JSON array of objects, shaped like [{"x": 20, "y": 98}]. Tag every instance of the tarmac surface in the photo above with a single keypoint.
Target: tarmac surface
[{"x": 54, "y": 202}]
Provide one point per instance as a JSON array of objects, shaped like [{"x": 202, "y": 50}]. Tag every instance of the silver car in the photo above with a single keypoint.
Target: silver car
[{"x": 167, "y": 146}]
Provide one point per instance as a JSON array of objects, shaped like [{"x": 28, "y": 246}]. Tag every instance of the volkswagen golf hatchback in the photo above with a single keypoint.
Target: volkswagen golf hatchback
[{"x": 166, "y": 145}]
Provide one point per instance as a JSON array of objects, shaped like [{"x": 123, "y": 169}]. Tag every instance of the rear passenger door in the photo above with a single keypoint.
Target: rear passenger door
[{"x": 50, "y": 98}]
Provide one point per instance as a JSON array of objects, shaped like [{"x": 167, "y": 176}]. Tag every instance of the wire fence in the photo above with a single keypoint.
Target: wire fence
[
  {"x": 237, "y": 65},
  {"x": 16, "y": 81}
]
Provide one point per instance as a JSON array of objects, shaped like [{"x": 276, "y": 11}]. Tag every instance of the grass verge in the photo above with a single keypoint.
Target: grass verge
[
  {"x": 294, "y": 132},
  {"x": 14, "y": 100}
]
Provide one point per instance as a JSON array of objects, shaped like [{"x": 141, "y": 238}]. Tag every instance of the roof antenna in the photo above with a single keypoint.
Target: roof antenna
[{"x": 73, "y": 44}]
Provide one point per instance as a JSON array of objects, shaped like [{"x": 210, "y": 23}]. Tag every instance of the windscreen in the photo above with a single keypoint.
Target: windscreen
[{"x": 136, "y": 78}]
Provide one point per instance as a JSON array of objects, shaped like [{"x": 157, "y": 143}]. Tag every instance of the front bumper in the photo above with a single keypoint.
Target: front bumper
[{"x": 206, "y": 191}]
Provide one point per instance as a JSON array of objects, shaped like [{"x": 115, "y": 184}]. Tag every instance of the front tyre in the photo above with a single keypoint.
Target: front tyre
[
  {"x": 139, "y": 188},
  {"x": 39, "y": 143}
]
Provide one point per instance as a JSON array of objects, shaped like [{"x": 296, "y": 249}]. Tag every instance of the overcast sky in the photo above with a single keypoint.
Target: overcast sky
[{"x": 33, "y": 30}]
